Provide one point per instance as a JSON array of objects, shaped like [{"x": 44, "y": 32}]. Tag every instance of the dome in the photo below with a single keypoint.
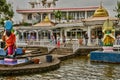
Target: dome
[
  {"x": 45, "y": 23},
  {"x": 101, "y": 12}
]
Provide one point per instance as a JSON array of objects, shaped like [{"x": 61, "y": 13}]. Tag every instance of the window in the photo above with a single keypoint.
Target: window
[
  {"x": 82, "y": 14},
  {"x": 90, "y": 13},
  {"x": 29, "y": 16}
]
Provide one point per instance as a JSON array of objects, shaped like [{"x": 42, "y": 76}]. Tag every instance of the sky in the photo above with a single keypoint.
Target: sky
[{"x": 108, "y": 4}]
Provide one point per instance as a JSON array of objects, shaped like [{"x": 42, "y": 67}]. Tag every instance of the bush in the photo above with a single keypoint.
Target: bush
[{"x": 26, "y": 24}]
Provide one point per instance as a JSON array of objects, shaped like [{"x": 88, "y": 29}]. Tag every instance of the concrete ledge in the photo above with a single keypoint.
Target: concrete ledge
[
  {"x": 30, "y": 68},
  {"x": 100, "y": 56},
  {"x": 65, "y": 57}
]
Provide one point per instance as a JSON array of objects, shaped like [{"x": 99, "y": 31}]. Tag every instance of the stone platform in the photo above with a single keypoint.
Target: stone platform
[
  {"x": 100, "y": 56},
  {"x": 30, "y": 68}
]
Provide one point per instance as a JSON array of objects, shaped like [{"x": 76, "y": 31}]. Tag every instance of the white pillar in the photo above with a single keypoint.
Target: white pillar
[
  {"x": 65, "y": 33},
  {"x": 85, "y": 14},
  {"x": 41, "y": 16},
  {"x": 32, "y": 19},
  {"x": 37, "y": 37},
  {"x": 89, "y": 36},
  {"x": 67, "y": 14},
  {"x": 61, "y": 33},
  {"x": 75, "y": 16},
  {"x": 22, "y": 35},
  {"x": 76, "y": 34},
  {"x": 51, "y": 32},
  {"x": 49, "y": 16}
]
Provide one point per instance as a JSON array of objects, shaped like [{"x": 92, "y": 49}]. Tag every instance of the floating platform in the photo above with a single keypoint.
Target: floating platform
[{"x": 100, "y": 56}]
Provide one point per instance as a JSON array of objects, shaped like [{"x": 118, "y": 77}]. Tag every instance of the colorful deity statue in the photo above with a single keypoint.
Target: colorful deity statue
[
  {"x": 9, "y": 38},
  {"x": 108, "y": 30}
]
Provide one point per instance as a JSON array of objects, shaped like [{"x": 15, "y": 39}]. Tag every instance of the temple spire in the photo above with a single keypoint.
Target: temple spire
[{"x": 101, "y": 2}]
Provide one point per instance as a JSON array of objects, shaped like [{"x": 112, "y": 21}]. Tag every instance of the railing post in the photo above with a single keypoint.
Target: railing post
[{"x": 75, "y": 46}]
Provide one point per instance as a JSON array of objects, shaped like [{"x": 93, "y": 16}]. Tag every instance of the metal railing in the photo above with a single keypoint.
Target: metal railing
[
  {"x": 73, "y": 44},
  {"x": 43, "y": 42}
]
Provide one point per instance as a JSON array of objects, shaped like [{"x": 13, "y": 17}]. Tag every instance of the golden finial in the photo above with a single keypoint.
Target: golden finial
[
  {"x": 101, "y": 11},
  {"x": 46, "y": 19},
  {"x": 101, "y": 2}
]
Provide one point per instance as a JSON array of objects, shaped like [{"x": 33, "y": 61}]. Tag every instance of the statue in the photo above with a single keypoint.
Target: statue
[
  {"x": 108, "y": 39},
  {"x": 48, "y": 3},
  {"x": 9, "y": 38}
]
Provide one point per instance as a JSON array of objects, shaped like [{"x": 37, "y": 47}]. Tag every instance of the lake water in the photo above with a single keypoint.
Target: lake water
[{"x": 79, "y": 68}]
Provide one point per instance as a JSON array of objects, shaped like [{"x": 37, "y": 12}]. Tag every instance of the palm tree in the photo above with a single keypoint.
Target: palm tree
[{"x": 58, "y": 15}]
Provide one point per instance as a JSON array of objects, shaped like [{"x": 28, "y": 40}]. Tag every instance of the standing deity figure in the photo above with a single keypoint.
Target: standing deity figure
[{"x": 109, "y": 38}]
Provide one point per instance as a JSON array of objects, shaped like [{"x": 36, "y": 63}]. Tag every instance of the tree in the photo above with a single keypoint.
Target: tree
[
  {"x": 6, "y": 11},
  {"x": 58, "y": 15},
  {"x": 117, "y": 9},
  {"x": 68, "y": 18}
]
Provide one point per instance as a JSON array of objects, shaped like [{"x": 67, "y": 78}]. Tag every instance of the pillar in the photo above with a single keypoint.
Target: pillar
[
  {"x": 75, "y": 15},
  {"x": 76, "y": 34},
  {"x": 85, "y": 14},
  {"x": 89, "y": 35},
  {"x": 61, "y": 34},
  {"x": 67, "y": 14},
  {"x": 41, "y": 16},
  {"x": 22, "y": 35},
  {"x": 65, "y": 33},
  {"x": 49, "y": 16},
  {"x": 37, "y": 37}
]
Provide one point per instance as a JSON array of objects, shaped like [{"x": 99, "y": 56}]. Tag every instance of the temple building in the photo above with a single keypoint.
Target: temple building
[{"x": 71, "y": 22}]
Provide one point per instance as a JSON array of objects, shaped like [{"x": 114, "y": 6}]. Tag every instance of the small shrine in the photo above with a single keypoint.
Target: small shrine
[
  {"x": 97, "y": 20},
  {"x": 45, "y": 23}
]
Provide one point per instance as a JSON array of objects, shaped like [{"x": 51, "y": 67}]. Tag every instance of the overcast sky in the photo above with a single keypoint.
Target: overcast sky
[{"x": 108, "y": 4}]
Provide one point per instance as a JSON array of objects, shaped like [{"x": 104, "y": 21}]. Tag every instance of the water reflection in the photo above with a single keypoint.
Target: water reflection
[{"x": 79, "y": 68}]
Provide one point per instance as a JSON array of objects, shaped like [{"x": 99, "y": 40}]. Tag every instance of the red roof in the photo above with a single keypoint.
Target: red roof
[{"x": 52, "y": 9}]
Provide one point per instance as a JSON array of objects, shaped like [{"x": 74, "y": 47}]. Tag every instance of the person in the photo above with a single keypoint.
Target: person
[
  {"x": 93, "y": 38},
  {"x": 64, "y": 40},
  {"x": 58, "y": 41},
  {"x": 99, "y": 39},
  {"x": 80, "y": 40},
  {"x": 53, "y": 39},
  {"x": 10, "y": 40},
  {"x": 86, "y": 38},
  {"x": 32, "y": 37},
  {"x": 118, "y": 39},
  {"x": 28, "y": 37}
]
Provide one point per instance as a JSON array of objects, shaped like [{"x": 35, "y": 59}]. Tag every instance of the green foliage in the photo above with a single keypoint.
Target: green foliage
[
  {"x": 26, "y": 24},
  {"x": 2, "y": 21},
  {"x": 69, "y": 17},
  {"x": 117, "y": 9},
  {"x": 58, "y": 14},
  {"x": 6, "y": 10}
]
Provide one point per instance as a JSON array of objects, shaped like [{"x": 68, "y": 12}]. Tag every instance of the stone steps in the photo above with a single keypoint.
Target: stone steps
[{"x": 62, "y": 51}]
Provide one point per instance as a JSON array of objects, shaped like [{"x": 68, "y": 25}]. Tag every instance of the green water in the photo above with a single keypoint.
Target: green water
[{"x": 79, "y": 68}]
